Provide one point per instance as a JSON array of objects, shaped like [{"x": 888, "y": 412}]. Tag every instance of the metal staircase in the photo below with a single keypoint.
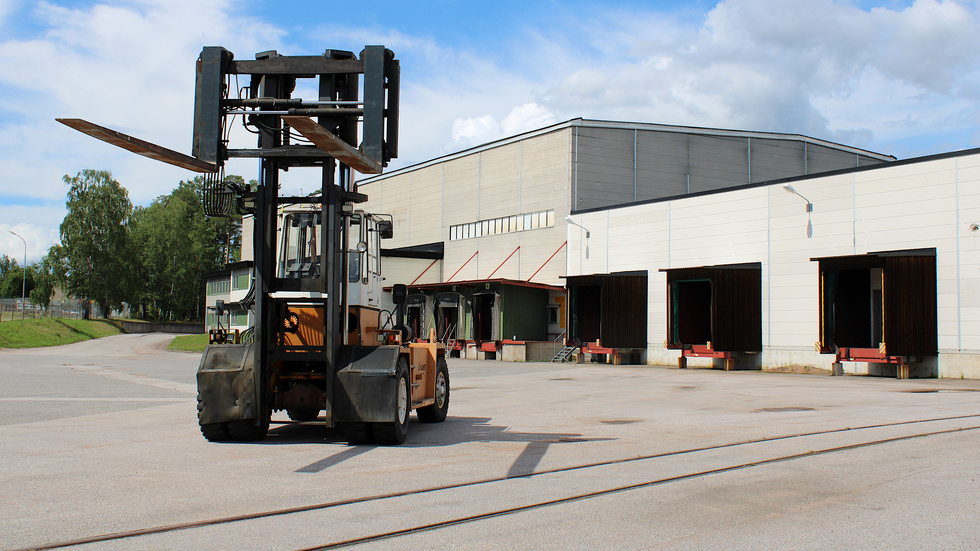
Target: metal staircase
[
  {"x": 450, "y": 342},
  {"x": 566, "y": 350},
  {"x": 563, "y": 354}
]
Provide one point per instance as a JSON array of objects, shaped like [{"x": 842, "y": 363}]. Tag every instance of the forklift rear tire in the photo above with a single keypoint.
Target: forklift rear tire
[
  {"x": 356, "y": 434},
  {"x": 394, "y": 432},
  {"x": 436, "y": 413},
  {"x": 303, "y": 414},
  {"x": 247, "y": 431},
  {"x": 215, "y": 432}
]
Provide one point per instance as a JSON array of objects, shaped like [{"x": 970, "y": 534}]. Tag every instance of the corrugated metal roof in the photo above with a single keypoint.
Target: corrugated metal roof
[{"x": 622, "y": 125}]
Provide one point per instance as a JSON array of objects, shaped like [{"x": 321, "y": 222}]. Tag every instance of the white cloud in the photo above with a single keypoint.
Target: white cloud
[
  {"x": 38, "y": 238},
  {"x": 469, "y": 132},
  {"x": 876, "y": 78},
  {"x": 128, "y": 65},
  {"x": 476, "y": 130},
  {"x": 818, "y": 67},
  {"x": 526, "y": 117}
]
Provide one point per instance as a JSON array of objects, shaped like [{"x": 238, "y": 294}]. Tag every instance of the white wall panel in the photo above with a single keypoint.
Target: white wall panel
[{"x": 892, "y": 208}]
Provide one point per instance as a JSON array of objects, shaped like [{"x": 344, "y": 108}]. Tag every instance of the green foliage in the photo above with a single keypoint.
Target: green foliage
[
  {"x": 150, "y": 257},
  {"x": 52, "y": 332},
  {"x": 96, "y": 241},
  {"x": 14, "y": 280},
  {"x": 44, "y": 283},
  {"x": 175, "y": 244},
  {"x": 6, "y": 263}
]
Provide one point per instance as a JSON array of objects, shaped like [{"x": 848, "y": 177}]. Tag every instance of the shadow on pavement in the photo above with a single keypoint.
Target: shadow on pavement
[{"x": 455, "y": 430}]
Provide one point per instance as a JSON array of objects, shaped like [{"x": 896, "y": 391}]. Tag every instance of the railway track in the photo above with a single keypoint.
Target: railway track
[{"x": 472, "y": 501}]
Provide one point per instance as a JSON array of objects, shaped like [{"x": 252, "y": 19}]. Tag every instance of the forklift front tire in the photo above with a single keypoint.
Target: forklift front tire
[
  {"x": 436, "y": 413},
  {"x": 394, "y": 432}
]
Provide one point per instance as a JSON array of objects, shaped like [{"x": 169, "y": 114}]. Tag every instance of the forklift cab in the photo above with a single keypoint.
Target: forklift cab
[{"x": 299, "y": 251}]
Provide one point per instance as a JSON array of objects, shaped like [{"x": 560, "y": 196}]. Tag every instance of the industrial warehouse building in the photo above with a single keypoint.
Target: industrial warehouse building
[
  {"x": 882, "y": 266},
  {"x": 654, "y": 244},
  {"x": 483, "y": 242}
]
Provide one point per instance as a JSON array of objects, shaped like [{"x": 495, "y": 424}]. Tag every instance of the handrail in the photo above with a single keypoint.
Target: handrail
[{"x": 554, "y": 348}]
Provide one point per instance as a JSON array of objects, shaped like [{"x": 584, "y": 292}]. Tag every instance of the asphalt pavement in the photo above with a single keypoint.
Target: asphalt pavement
[{"x": 100, "y": 438}]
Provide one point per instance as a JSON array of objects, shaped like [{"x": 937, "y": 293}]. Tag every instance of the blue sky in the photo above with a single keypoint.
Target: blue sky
[{"x": 895, "y": 77}]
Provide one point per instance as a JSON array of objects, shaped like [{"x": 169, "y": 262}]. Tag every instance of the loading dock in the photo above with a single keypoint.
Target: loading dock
[
  {"x": 714, "y": 312},
  {"x": 415, "y": 314},
  {"x": 879, "y": 308},
  {"x": 607, "y": 315},
  {"x": 476, "y": 318},
  {"x": 448, "y": 317}
]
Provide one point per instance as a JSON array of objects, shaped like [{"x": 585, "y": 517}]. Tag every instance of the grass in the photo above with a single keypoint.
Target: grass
[
  {"x": 31, "y": 333},
  {"x": 189, "y": 343}
]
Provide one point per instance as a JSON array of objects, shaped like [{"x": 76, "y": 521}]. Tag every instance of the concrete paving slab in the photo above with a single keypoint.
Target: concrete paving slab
[{"x": 103, "y": 438}]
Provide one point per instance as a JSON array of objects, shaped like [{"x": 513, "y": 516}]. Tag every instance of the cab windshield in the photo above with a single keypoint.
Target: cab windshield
[{"x": 302, "y": 238}]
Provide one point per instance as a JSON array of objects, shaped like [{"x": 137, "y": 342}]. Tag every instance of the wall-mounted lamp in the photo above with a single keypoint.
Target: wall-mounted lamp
[
  {"x": 568, "y": 218},
  {"x": 790, "y": 189},
  {"x": 974, "y": 227},
  {"x": 809, "y": 208}
]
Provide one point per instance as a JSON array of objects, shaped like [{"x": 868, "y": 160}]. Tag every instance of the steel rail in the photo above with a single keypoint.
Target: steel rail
[
  {"x": 378, "y": 497},
  {"x": 638, "y": 485}
]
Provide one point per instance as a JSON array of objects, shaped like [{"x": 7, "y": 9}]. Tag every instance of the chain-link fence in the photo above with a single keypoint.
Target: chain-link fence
[{"x": 15, "y": 309}]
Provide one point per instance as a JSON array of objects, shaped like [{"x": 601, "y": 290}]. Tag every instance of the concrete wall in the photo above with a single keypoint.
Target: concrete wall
[
  {"x": 925, "y": 204},
  {"x": 161, "y": 327},
  {"x": 520, "y": 177}
]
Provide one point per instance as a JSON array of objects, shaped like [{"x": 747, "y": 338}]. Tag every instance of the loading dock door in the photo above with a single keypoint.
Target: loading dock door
[
  {"x": 880, "y": 298},
  {"x": 448, "y": 318},
  {"x": 415, "y": 307},
  {"x": 691, "y": 308},
  {"x": 610, "y": 308},
  {"x": 486, "y": 308},
  {"x": 585, "y": 307},
  {"x": 717, "y": 304}
]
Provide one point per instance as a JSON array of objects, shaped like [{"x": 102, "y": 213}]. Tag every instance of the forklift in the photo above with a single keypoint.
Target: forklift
[{"x": 321, "y": 342}]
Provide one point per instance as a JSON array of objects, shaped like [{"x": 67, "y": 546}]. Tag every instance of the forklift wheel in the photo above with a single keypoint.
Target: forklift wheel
[
  {"x": 246, "y": 430},
  {"x": 436, "y": 413},
  {"x": 303, "y": 414},
  {"x": 356, "y": 433},
  {"x": 392, "y": 433},
  {"x": 215, "y": 432}
]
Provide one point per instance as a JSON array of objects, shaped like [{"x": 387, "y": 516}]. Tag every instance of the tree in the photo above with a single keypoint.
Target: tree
[
  {"x": 14, "y": 282},
  {"x": 6, "y": 263},
  {"x": 95, "y": 239},
  {"x": 44, "y": 283},
  {"x": 175, "y": 245}
]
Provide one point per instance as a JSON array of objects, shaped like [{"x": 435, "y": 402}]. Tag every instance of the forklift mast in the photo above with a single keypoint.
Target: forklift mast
[{"x": 318, "y": 342}]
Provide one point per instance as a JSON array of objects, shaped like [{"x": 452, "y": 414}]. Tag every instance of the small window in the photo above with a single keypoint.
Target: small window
[{"x": 553, "y": 313}]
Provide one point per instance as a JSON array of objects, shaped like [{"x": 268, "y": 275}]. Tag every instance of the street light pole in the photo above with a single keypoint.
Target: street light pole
[{"x": 23, "y": 283}]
